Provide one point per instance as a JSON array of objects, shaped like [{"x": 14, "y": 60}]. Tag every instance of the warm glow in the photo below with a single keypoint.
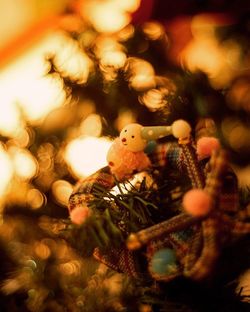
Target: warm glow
[
  {"x": 105, "y": 16},
  {"x": 220, "y": 61},
  {"x": 124, "y": 118},
  {"x": 10, "y": 119},
  {"x": 128, "y": 5},
  {"x": 141, "y": 74},
  {"x": 42, "y": 250},
  {"x": 35, "y": 199},
  {"x": 110, "y": 15},
  {"x": 24, "y": 163},
  {"x": 70, "y": 268},
  {"x": 116, "y": 59},
  {"x": 104, "y": 44},
  {"x": 26, "y": 89},
  {"x": 22, "y": 138},
  {"x": 62, "y": 190},
  {"x": 43, "y": 95},
  {"x": 92, "y": 125},
  {"x": 126, "y": 33},
  {"x": 204, "y": 54},
  {"x": 86, "y": 155},
  {"x": 236, "y": 132},
  {"x": 6, "y": 170},
  {"x": 154, "y": 99},
  {"x": 71, "y": 60},
  {"x": 153, "y": 30}
]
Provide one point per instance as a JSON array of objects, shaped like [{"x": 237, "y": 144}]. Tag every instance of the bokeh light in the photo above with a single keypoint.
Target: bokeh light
[
  {"x": 140, "y": 73},
  {"x": 44, "y": 95},
  {"x": 92, "y": 125},
  {"x": 6, "y": 169},
  {"x": 238, "y": 96},
  {"x": 71, "y": 60},
  {"x": 35, "y": 199},
  {"x": 42, "y": 250},
  {"x": 10, "y": 117},
  {"x": 85, "y": 155},
  {"x": 24, "y": 163},
  {"x": 153, "y": 30},
  {"x": 70, "y": 268},
  {"x": 154, "y": 99},
  {"x": 109, "y": 15},
  {"x": 219, "y": 60},
  {"x": 124, "y": 118},
  {"x": 61, "y": 191}
]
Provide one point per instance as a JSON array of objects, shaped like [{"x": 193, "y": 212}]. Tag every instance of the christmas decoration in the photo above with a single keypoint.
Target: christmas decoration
[
  {"x": 158, "y": 215},
  {"x": 210, "y": 225}
]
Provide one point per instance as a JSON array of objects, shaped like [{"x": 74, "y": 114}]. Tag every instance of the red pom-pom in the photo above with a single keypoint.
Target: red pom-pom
[
  {"x": 79, "y": 214},
  {"x": 197, "y": 202},
  {"x": 206, "y": 145}
]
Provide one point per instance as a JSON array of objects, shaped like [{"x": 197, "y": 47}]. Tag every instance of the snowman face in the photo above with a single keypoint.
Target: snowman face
[{"x": 130, "y": 137}]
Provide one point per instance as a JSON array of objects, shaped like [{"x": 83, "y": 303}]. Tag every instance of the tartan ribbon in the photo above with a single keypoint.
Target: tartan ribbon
[{"x": 197, "y": 252}]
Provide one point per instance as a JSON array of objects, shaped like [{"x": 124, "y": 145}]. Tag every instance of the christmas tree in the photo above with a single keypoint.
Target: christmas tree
[{"x": 161, "y": 224}]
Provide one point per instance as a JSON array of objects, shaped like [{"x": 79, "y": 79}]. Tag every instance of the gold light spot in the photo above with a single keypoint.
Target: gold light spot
[
  {"x": 239, "y": 95},
  {"x": 126, "y": 33},
  {"x": 42, "y": 250},
  {"x": 128, "y": 5},
  {"x": 10, "y": 286},
  {"x": 6, "y": 170},
  {"x": 26, "y": 90},
  {"x": 153, "y": 30},
  {"x": 154, "y": 99},
  {"x": 22, "y": 138},
  {"x": 25, "y": 165},
  {"x": 124, "y": 118},
  {"x": 71, "y": 60},
  {"x": 86, "y": 155},
  {"x": 116, "y": 59},
  {"x": 220, "y": 61},
  {"x": 62, "y": 190},
  {"x": 41, "y": 97},
  {"x": 35, "y": 199},
  {"x": 239, "y": 137},
  {"x": 105, "y": 16},
  {"x": 92, "y": 125},
  {"x": 140, "y": 73},
  {"x": 10, "y": 119},
  {"x": 70, "y": 268}
]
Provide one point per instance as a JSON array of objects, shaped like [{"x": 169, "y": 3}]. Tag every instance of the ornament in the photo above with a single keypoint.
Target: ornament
[
  {"x": 80, "y": 214},
  {"x": 181, "y": 129},
  {"x": 135, "y": 137},
  {"x": 197, "y": 202},
  {"x": 208, "y": 215},
  {"x": 206, "y": 145},
  {"x": 132, "y": 139},
  {"x": 164, "y": 262},
  {"x": 123, "y": 162}
]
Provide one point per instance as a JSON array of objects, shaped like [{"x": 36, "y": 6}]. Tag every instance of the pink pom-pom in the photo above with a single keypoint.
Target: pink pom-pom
[
  {"x": 197, "y": 202},
  {"x": 79, "y": 214},
  {"x": 123, "y": 163},
  {"x": 206, "y": 145}
]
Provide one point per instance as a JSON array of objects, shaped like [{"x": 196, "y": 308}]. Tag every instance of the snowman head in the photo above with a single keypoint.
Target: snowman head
[{"x": 131, "y": 138}]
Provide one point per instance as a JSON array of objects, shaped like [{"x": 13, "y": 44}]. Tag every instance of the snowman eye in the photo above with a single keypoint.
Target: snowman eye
[
  {"x": 125, "y": 130},
  {"x": 132, "y": 136}
]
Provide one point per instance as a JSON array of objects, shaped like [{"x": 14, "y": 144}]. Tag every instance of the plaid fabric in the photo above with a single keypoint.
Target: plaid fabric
[
  {"x": 162, "y": 155},
  {"x": 194, "y": 170},
  {"x": 82, "y": 193},
  {"x": 119, "y": 259},
  {"x": 209, "y": 253},
  {"x": 198, "y": 251}
]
